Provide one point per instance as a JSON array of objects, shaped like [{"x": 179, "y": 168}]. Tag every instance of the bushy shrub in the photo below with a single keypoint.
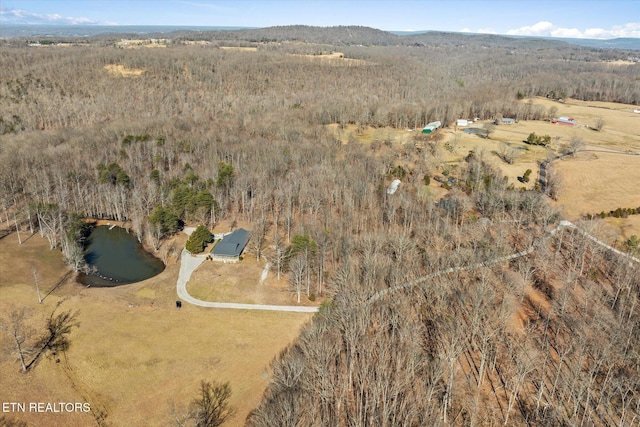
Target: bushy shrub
[{"x": 198, "y": 240}]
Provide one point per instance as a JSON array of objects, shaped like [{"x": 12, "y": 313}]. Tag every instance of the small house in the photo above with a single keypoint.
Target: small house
[
  {"x": 231, "y": 246},
  {"x": 505, "y": 121},
  {"x": 462, "y": 122}
]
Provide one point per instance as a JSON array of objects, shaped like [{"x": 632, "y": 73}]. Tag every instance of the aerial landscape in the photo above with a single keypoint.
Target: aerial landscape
[{"x": 358, "y": 213}]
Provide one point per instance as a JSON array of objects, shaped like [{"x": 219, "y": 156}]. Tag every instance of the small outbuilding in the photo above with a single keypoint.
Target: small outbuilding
[
  {"x": 231, "y": 246},
  {"x": 569, "y": 121},
  {"x": 430, "y": 127},
  {"x": 462, "y": 122},
  {"x": 394, "y": 186}
]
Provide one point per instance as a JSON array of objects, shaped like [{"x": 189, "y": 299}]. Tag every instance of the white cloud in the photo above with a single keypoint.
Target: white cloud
[
  {"x": 545, "y": 28},
  {"x": 572, "y": 33},
  {"x": 487, "y": 31},
  {"x": 542, "y": 28},
  {"x": 17, "y": 16},
  {"x": 479, "y": 31}
]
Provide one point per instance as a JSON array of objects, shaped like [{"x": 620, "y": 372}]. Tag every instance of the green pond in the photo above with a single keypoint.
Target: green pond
[{"x": 117, "y": 258}]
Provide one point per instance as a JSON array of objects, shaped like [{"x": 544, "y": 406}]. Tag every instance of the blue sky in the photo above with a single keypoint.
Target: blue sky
[{"x": 559, "y": 18}]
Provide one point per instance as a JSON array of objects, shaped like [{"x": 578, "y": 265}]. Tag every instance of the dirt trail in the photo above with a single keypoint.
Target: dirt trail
[{"x": 562, "y": 224}]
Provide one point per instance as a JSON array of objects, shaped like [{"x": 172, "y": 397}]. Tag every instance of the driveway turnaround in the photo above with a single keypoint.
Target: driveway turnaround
[{"x": 188, "y": 264}]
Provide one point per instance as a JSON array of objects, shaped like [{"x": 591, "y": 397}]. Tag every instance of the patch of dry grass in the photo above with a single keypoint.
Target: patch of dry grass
[
  {"x": 137, "y": 43},
  {"x": 134, "y": 352},
  {"x": 336, "y": 59},
  {"x": 627, "y": 227},
  {"x": 594, "y": 182},
  {"x": 240, "y": 49},
  {"x": 239, "y": 282},
  {"x": 122, "y": 71}
]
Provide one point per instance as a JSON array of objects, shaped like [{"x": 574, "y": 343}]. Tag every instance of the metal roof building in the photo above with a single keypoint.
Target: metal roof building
[
  {"x": 564, "y": 121},
  {"x": 231, "y": 245},
  {"x": 430, "y": 127}
]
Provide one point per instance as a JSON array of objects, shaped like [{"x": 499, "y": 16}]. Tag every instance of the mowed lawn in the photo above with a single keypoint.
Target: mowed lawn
[{"x": 134, "y": 356}]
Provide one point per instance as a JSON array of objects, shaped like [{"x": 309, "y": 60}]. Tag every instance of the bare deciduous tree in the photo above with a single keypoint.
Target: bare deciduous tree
[{"x": 211, "y": 408}]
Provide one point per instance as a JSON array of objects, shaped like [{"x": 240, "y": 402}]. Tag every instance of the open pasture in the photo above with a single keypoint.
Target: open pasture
[{"x": 134, "y": 355}]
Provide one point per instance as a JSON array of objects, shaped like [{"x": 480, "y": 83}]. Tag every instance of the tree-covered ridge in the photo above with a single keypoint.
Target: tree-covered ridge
[{"x": 400, "y": 86}]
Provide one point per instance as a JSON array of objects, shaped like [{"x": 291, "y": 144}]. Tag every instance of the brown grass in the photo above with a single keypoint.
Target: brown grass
[
  {"x": 240, "y": 49},
  {"x": 595, "y": 182},
  {"x": 335, "y": 59},
  {"x": 122, "y": 71},
  {"x": 135, "y": 44},
  {"x": 134, "y": 352},
  {"x": 239, "y": 282}
]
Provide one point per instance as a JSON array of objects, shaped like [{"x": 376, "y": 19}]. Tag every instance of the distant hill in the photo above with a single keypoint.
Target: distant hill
[
  {"x": 337, "y": 35},
  {"x": 620, "y": 43},
  {"x": 8, "y": 31}
]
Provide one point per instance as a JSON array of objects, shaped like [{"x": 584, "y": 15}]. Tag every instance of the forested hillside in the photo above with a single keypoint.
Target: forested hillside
[{"x": 194, "y": 133}]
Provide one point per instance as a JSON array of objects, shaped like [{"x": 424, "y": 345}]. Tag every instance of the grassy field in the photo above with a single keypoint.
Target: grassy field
[
  {"x": 240, "y": 282},
  {"x": 134, "y": 355}
]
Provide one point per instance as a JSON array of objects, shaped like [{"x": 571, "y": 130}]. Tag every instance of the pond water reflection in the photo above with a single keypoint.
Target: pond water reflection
[{"x": 118, "y": 258}]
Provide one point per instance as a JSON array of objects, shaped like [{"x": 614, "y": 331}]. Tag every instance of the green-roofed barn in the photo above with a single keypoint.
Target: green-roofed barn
[
  {"x": 231, "y": 246},
  {"x": 430, "y": 127}
]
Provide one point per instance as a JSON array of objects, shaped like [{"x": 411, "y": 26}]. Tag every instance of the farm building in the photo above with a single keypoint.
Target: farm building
[
  {"x": 430, "y": 127},
  {"x": 231, "y": 246},
  {"x": 394, "y": 186},
  {"x": 505, "y": 121},
  {"x": 462, "y": 122},
  {"x": 569, "y": 121}
]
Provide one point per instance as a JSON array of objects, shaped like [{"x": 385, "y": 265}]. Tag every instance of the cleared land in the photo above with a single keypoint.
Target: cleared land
[
  {"x": 122, "y": 71},
  {"x": 134, "y": 353},
  {"x": 594, "y": 181},
  {"x": 239, "y": 282}
]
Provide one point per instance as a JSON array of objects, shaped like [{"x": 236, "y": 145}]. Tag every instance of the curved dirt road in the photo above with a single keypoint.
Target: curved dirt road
[{"x": 188, "y": 264}]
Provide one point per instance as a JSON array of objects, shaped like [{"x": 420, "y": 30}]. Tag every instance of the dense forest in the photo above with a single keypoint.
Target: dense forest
[{"x": 194, "y": 133}]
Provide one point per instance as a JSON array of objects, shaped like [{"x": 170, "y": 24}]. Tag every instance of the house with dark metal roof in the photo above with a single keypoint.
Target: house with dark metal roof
[{"x": 231, "y": 246}]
